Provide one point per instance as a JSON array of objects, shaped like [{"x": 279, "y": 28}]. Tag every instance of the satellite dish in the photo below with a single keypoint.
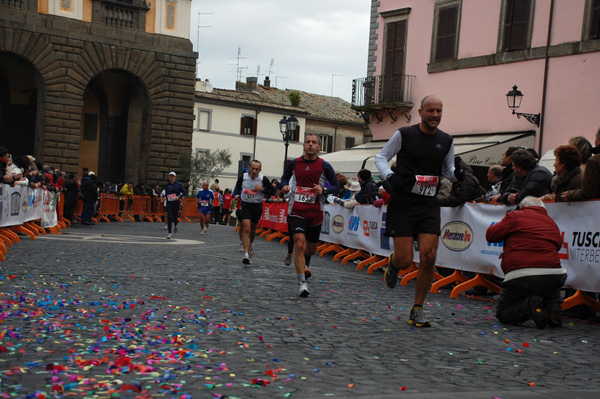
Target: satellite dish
[{"x": 209, "y": 87}]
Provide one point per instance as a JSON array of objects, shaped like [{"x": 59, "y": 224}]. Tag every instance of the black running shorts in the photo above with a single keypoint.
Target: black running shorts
[
  {"x": 298, "y": 225},
  {"x": 252, "y": 211},
  {"x": 409, "y": 215}
]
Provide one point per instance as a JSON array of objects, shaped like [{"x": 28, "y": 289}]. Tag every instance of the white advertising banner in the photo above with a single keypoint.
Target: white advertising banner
[
  {"x": 21, "y": 204},
  {"x": 462, "y": 240}
]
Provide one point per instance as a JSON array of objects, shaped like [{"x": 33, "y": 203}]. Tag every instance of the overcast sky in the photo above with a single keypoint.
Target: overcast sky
[{"x": 308, "y": 41}]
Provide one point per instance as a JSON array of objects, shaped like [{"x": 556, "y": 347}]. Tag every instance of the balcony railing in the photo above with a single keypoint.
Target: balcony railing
[
  {"x": 382, "y": 90},
  {"x": 120, "y": 14},
  {"x": 18, "y": 4}
]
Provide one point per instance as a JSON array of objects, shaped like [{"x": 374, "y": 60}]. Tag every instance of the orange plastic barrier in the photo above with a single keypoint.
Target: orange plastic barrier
[
  {"x": 137, "y": 205},
  {"x": 108, "y": 207},
  {"x": 189, "y": 210}
]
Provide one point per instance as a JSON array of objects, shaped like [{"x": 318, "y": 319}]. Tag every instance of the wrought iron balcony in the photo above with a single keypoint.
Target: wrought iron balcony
[
  {"x": 383, "y": 94},
  {"x": 382, "y": 90},
  {"x": 125, "y": 14},
  {"x": 19, "y": 4}
]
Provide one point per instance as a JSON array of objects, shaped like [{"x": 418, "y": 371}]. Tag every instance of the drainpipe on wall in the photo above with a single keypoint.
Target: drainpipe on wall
[{"x": 545, "y": 86}]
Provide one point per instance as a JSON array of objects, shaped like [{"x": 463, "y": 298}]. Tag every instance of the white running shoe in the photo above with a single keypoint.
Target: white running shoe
[
  {"x": 166, "y": 227},
  {"x": 251, "y": 251},
  {"x": 169, "y": 236},
  {"x": 241, "y": 247},
  {"x": 288, "y": 259},
  {"x": 303, "y": 290},
  {"x": 202, "y": 232},
  {"x": 246, "y": 260}
]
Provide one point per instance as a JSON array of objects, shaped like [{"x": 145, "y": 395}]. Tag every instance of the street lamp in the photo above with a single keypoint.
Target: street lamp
[
  {"x": 514, "y": 98},
  {"x": 287, "y": 127}
]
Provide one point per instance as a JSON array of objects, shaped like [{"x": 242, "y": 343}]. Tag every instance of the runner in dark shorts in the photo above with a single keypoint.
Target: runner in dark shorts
[
  {"x": 305, "y": 178},
  {"x": 423, "y": 154}
]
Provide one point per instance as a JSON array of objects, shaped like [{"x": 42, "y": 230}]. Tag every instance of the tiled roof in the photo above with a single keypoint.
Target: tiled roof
[{"x": 317, "y": 106}]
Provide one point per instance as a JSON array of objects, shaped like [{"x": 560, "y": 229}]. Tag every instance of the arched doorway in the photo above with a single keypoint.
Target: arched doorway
[
  {"x": 115, "y": 128},
  {"x": 21, "y": 124}
]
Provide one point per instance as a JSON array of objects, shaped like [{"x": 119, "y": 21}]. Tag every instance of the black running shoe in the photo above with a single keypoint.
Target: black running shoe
[
  {"x": 391, "y": 273},
  {"x": 417, "y": 318}
]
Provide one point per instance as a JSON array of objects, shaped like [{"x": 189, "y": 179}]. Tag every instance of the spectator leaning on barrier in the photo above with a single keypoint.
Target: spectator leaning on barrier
[
  {"x": 533, "y": 273},
  {"x": 494, "y": 178},
  {"x": 464, "y": 190},
  {"x": 590, "y": 187},
  {"x": 530, "y": 179},
  {"x": 567, "y": 172},
  {"x": 368, "y": 189},
  {"x": 71, "y": 191}
]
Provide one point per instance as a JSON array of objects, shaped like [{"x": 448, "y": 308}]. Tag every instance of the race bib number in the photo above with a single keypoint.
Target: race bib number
[
  {"x": 425, "y": 185},
  {"x": 305, "y": 195},
  {"x": 250, "y": 194},
  {"x": 172, "y": 197},
  {"x": 203, "y": 203}
]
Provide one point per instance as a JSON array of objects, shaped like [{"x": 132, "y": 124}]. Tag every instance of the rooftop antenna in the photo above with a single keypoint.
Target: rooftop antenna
[
  {"x": 198, "y": 62},
  {"x": 238, "y": 67},
  {"x": 271, "y": 66}
]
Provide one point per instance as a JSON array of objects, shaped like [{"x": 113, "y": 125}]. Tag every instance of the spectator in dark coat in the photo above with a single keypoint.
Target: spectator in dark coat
[
  {"x": 89, "y": 191},
  {"x": 530, "y": 179},
  {"x": 71, "y": 191},
  {"x": 567, "y": 171},
  {"x": 464, "y": 190},
  {"x": 590, "y": 187},
  {"x": 368, "y": 189}
]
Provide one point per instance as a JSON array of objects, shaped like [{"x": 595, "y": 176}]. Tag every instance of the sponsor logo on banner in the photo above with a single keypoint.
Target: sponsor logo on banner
[
  {"x": 493, "y": 252},
  {"x": 370, "y": 228},
  {"x": 337, "y": 224},
  {"x": 584, "y": 246},
  {"x": 325, "y": 224},
  {"x": 384, "y": 241},
  {"x": 457, "y": 236},
  {"x": 353, "y": 225}
]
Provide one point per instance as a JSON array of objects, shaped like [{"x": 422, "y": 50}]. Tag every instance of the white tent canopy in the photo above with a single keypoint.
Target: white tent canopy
[{"x": 476, "y": 150}]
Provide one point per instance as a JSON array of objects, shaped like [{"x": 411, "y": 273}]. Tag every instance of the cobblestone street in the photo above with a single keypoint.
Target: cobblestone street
[{"x": 116, "y": 310}]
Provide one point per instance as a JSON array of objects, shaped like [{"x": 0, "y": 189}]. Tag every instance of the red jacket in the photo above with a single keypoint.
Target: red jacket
[{"x": 531, "y": 239}]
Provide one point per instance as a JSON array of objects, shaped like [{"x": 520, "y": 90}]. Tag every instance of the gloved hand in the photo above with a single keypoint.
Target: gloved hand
[{"x": 459, "y": 174}]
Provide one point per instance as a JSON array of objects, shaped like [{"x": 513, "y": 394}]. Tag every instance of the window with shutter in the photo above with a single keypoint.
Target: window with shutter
[
  {"x": 594, "y": 32},
  {"x": 446, "y": 33},
  {"x": 296, "y": 135},
  {"x": 249, "y": 126},
  {"x": 394, "y": 61},
  {"x": 516, "y": 25},
  {"x": 350, "y": 142}
]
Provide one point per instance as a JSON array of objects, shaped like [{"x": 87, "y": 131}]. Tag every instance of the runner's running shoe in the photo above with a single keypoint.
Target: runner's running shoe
[
  {"x": 175, "y": 231},
  {"x": 169, "y": 236},
  {"x": 246, "y": 260},
  {"x": 303, "y": 290},
  {"x": 288, "y": 259},
  {"x": 307, "y": 272},
  {"x": 241, "y": 247},
  {"x": 417, "y": 318},
  {"x": 251, "y": 251},
  {"x": 391, "y": 273}
]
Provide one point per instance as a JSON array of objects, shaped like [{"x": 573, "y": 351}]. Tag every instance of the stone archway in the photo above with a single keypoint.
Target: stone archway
[
  {"x": 115, "y": 129},
  {"x": 21, "y": 115}
]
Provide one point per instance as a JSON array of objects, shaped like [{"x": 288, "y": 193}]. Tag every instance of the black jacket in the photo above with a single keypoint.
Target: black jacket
[
  {"x": 463, "y": 191},
  {"x": 368, "y": 193},
  {"x": 536, "y": 183},
  {"x": 71, "y": 190},
  {"x": 89, "y": 190}
]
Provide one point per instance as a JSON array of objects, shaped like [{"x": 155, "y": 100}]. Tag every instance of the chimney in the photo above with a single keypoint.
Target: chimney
[
  {"x": 267, "y": 82},
  {"x": 251, "y": 82}
]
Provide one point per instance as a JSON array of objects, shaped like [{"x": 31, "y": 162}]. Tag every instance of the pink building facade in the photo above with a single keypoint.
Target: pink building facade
[{"x": 471, "y": 53}]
